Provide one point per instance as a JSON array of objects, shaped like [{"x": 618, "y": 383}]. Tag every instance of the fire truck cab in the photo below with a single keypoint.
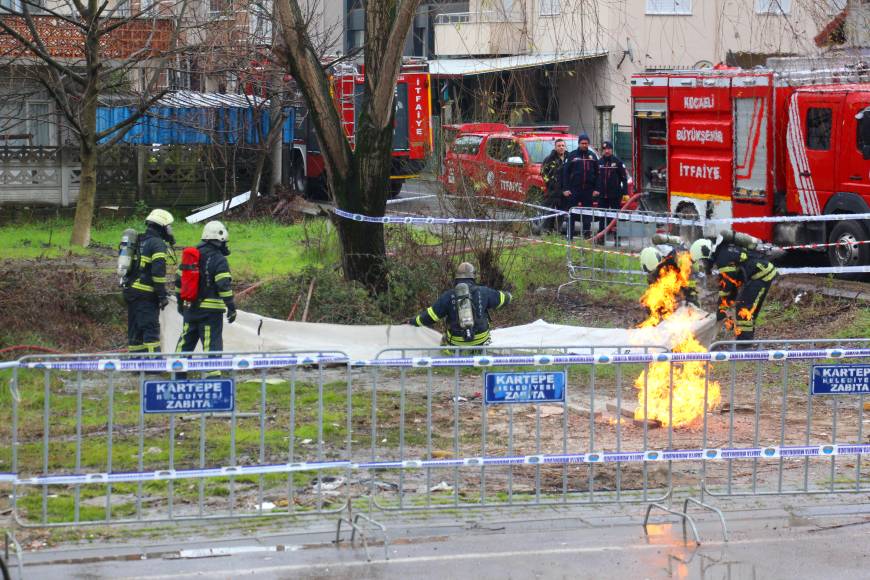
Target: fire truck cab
[{"x": 756, "y": 143}]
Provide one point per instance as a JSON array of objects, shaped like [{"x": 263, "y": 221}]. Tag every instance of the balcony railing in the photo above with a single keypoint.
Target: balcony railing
[{"x": 483, "y": 17}]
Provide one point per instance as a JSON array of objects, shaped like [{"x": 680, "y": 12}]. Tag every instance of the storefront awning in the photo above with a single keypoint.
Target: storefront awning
[{"x": 457, "y": 67}]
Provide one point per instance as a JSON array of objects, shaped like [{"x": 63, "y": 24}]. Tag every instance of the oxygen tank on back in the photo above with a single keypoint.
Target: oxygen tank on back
[
  {"x": 464, "y": 310},
  {"x": 126, "y": 251},
  {"x": 741, "y": 239},
  {"x": 660, "y": 239}
]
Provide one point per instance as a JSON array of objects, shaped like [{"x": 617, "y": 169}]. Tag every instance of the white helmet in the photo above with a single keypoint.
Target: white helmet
[
  {"x": 701, "y": 249},
  {"x": 215, "y": 231},
  {"x": 160, "y": 217},
  {"x": 650, "y": 258}
]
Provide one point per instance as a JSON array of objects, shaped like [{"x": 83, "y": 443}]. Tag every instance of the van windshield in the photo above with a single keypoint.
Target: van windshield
[{"x": 538, "y": 149}]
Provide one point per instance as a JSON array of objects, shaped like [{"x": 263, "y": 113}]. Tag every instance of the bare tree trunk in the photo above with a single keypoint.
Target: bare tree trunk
[{"x": 84, "y": 218}]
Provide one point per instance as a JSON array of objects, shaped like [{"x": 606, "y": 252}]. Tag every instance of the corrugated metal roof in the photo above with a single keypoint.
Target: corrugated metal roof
[{"x": 452, "y": 67}]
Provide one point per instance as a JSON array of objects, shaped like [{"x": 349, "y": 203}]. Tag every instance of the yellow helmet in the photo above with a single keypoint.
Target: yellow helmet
[
  {"x": 650, "y": 257},
  {"x": 465, "y": 270},
  {"x": 215, "y": 230}
]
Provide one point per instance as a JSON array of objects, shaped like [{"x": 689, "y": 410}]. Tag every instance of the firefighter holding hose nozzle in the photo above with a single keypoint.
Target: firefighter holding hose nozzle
[
  {"x": 668, "y": 253},
  {"x": 745, "y": 277}
]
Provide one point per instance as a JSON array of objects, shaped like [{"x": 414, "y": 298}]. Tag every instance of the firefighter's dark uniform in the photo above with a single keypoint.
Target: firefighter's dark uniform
[
  {"x": 611, "y": 185},
  {"x": 689, "y": 292},
  {"x": 551, "y": 170},
  {"x": 145, "y": 292},
  {"x": 579, "y": 175},
  {"x": 203, "y": 318},
  {"x": 745, "y": 277},
  {"x": 483, "y": 299}
]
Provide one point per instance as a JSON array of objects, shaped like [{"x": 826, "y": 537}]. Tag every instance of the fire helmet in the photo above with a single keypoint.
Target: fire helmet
[
  {"x": 215, "y": 230},
  {"x": 465, "y": 270},
  {"x": 701, "y": 249},
  {"x": 650, "y": 258},
  {"x": 159, "y": 217}
]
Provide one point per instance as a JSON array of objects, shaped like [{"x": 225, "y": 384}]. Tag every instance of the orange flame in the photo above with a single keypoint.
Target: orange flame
[
  {"x": 661, "y": 297},
  {"x": 682, "y": 405}
]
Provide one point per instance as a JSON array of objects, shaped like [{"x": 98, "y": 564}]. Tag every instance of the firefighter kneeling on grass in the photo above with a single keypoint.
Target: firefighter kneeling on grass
[
  {"x": 745, "y": 276},
  {"x": 464, "y": 309},
  {"x": 204, "y": 291}
]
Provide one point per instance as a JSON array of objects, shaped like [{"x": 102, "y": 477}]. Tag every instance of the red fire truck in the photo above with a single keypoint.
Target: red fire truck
[
  {"x": 412, "y": 137},
  {"x": 728, "y": 142}
]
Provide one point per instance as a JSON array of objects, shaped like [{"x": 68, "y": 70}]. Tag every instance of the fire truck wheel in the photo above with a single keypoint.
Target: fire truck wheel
[
  {"x": 689, "y": 233},
  {"x": 535, "y": 195},
  {"x": 396, "y": 187},
  {"x": 848, "y": 252},
  {"x": 297, "y": 175}
]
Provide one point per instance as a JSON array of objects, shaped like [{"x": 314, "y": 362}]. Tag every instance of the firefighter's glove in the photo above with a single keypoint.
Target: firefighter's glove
[
  {"x": 231, "y": 315},
  {"x": 180, "y": 305},
  {"x": 163, "y": 302},
  {"x": 720, "y": 315},
  {"x": 411, "y": 321}
]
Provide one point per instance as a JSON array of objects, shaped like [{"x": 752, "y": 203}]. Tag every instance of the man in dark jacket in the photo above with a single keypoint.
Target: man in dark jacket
[
  {"x": 203, "y": 318},
  {"x": 578, "y": 179},
  {"x": 745, "y": 277},
  {"x": 612, "y": 181},
  {"x": 551, "y": 168},
  {"x": 145, "y": 284},
  {"x": 464, "y": 309}
]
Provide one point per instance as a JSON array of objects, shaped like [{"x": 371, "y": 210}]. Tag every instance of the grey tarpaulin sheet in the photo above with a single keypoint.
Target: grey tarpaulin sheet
[{"x": 254, "y": 333}]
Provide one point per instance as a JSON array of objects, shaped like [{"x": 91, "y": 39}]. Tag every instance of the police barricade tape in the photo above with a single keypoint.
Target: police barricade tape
[
  {"x": 825, "y": 245},
  {"x": 404, "y": 199},
  {"x": 424, "y": 220},
  {"x": 824, "y": 270},
  {"x": 702, "y": 221},
  {"x": 595, "y": 457},
  {"x": 180, "y": 364},
  {"x": 253, "y": 363}
]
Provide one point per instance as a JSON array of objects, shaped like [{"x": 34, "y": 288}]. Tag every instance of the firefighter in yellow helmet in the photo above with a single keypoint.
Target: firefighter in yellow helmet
[
  {"x": 464, "y": 309},
  {"x": 145, "y": 283},
  {"x": 663, "y": 256}
]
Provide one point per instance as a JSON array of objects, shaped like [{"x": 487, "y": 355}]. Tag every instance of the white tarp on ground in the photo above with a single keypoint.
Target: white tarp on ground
[{"x": 254, "y": 333}]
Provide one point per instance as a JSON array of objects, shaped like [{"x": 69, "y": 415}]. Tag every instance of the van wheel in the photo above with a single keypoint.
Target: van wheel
[
  {"x": 396, "y": 187},
  {"x": 535, "y": 196},
  {"x": 848, "y": 252}
]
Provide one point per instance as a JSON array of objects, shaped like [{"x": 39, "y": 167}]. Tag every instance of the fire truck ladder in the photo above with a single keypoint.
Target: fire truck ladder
[{"x": 347, "y": 106}]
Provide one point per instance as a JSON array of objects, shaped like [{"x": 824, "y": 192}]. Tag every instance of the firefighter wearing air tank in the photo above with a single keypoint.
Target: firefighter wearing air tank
[
  {"x": 142, "y": 266},
  {"x": 203, "y": 314},
  {"x": 745, "y": 277},
  {"x": 464, "y": 309},
  {"x": 664, "y": 255}
]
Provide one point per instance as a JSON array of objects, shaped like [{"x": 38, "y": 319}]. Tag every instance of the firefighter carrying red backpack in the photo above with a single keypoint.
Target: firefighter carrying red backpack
[{"x": 190, "y": 274}]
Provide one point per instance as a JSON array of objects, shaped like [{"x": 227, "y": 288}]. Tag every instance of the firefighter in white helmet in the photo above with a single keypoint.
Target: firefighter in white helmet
[
  {"x": 145, "y": 283},
  {"x": 663, "y": 256},
  {"x": 203, "y": 317},
  {"x": 745, "y": 277}
]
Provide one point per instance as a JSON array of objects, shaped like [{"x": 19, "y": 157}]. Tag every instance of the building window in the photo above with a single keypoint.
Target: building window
[
  {"x": 10, "y": 6},
  {"x": 215, "y": 6},
  {"x": 835, "y": 6},
  {"x": 772, "y": 6},
  {"x": 669, "y": 7},
  {"x": 818, "y": 129},
  {"x": 551, "y": 7},
  {"x": 27, "y": 124},
  {"x": 261, "y": 22},
  {"x": 863, "y": 132}
]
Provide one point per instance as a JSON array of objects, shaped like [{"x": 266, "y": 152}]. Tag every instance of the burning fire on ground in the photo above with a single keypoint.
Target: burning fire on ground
[{"x": 685, "y": 407}]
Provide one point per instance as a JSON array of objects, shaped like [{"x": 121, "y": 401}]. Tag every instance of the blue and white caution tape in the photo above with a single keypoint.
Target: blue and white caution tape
[
  {"x": 702, "y": 221},
  {"x": 679, "y": 455},
  {"x": 172, "y": 364},
  {"x": 423, "y": 220}
]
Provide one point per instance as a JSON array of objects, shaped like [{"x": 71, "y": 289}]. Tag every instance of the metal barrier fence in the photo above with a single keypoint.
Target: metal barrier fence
[
  {"x": 612, "y": 257},
  {"x": 98, "y": 440}
]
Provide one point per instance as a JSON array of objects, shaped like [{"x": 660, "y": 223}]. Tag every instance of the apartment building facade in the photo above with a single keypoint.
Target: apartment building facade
[{"x": 584, "y": 51}]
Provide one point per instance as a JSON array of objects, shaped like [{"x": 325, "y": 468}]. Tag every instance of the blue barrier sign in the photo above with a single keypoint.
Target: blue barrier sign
[
  {"x": 547, "y": 387},
  {"x": 194, "y": 396},
  {"x": 840, "y": 380}
]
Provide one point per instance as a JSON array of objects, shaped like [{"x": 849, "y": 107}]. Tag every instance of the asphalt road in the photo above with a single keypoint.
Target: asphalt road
[{"x": 802, "y": 539}]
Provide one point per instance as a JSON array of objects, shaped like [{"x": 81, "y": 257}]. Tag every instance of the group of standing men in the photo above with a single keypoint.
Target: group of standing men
[{"x": 582, "y": 179}]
